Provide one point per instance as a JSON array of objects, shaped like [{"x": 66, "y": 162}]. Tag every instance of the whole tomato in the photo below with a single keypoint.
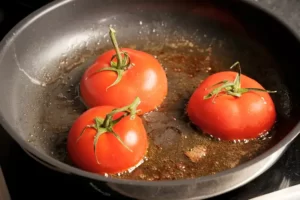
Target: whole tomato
[
  {"x": 107, "y": 140},
  {"x": 230, "y": 106},
  {"x": 118, "y": 76}
]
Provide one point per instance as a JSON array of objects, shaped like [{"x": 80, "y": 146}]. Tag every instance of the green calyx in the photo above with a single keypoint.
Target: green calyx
[
  {"x": 232, "y": 88},
  {"x": 123, "y": 60},
  {"x": 106, "y": 125}
]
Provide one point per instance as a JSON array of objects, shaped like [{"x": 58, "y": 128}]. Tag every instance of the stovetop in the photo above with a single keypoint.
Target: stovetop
[{"x": 28, "y": 179}]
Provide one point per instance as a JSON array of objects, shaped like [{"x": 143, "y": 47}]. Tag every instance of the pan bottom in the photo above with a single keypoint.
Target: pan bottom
[{"x": 171, "y": 135}]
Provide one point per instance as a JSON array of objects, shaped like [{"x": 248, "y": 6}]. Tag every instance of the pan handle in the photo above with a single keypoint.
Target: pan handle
[
  {"x": 4, "y": 192},
  {"x": 45, "y": 163}
]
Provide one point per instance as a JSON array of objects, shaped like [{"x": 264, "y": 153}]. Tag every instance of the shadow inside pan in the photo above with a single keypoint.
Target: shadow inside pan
[{"x": 192, "y": 40}]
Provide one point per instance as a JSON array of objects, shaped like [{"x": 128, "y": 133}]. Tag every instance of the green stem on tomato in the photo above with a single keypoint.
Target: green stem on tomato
[
  {"x": 106, "y": 125},
  {"x": 122, "y": 64},
  {"x": 232, "y": 88},
  {"x": 112, "y": 34},
  {"x": 130, "y": 109}
]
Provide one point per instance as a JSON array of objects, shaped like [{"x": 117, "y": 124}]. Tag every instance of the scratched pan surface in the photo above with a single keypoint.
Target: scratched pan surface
[{"x": 43, "y": 59}]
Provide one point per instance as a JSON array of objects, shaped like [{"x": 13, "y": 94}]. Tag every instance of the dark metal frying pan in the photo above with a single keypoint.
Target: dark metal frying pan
[{"x": 43, "y": 57}]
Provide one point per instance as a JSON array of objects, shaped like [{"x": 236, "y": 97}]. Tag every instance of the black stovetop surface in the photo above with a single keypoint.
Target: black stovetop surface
[{"x": 27, "y": 179}]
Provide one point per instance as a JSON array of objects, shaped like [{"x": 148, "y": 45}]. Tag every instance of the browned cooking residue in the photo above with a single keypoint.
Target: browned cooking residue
[{"x": 196, "y": 153}]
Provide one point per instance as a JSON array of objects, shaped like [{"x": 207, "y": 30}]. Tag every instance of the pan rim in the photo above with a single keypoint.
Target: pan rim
[{"x": 17, "y": 29}]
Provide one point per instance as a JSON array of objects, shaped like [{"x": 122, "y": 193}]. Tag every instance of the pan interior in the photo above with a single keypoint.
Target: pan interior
[{"x": 191, "y": 40}]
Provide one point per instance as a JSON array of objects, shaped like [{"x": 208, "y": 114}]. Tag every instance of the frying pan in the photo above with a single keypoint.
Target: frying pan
[{"x": 44, "y": 55}]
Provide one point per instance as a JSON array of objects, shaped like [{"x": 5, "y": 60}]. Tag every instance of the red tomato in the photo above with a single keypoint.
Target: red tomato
[
  {"x": 229, "y": 117},
  {"x": 112, "y": 156},
  {"x": 145, "y": 78}
]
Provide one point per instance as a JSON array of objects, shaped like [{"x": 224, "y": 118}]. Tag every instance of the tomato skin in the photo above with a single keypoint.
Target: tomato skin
[
  {"x": 229, "y": 117},
  {"x": 113, "y": 157},
  {"x": 146, "y": 79}
]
